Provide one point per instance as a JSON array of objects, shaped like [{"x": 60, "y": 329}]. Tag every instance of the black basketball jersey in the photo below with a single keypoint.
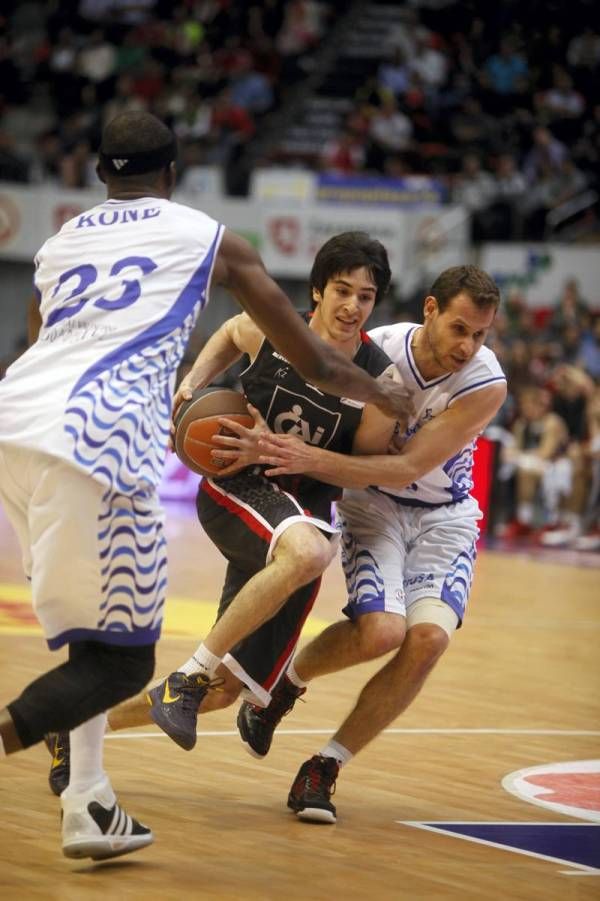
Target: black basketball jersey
[{"x": 290, "y": 405}]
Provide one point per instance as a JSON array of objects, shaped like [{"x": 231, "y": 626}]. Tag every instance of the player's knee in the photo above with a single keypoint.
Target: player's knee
[
  {"x": 426, "y": 643},
  {"x": 307, "y": 551},
  {"x": 380, "y": 633},
  {"x": 128, "y": 669}
]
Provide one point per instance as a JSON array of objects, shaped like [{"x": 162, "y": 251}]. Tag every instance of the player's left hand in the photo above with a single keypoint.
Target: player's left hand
[
  {"x": 238, "y": 445},
  {"x": 287, "y": 455}
]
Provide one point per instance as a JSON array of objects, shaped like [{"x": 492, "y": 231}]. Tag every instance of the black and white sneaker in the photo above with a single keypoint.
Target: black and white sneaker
[
  {"x": 94, "y": 825},
  {"x": 311, "y": 791}
]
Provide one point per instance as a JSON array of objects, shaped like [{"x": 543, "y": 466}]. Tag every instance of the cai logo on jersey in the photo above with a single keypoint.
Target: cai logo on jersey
[{"x": 294, "y": 414}]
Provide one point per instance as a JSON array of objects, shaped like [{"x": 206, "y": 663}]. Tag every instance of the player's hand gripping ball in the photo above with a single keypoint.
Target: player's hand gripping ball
[{"x": 197, "y": 421}]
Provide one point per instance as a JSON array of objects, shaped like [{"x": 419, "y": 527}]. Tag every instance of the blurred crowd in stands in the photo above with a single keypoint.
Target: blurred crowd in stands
[
  {"x": 211, "y": 68},
  {"x": 547, "y": 485},
  {"x": 498, "y": 100}
]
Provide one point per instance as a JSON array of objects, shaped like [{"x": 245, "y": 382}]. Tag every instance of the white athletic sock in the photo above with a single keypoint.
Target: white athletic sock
[
  {"x": 294, "y": 677},
  {"x": 87, "y": 746},
  {"x": 339, "y": 752},
  {"x": 201, "y": 661}
]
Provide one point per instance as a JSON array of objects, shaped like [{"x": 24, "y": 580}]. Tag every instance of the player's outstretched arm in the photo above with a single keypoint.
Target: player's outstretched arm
[
  {"x": 434, "y": 443},
  {"x": 238, "y": 335},
  {"x": 240, "y": 269}
]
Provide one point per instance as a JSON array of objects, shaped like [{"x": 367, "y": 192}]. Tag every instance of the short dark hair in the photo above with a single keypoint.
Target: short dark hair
[
  {"x": 134, "y": 131},
  {"x": 349, "y": 251},
  {"x": 139, "y": 142},
  {"x": 480, "y": 287}
]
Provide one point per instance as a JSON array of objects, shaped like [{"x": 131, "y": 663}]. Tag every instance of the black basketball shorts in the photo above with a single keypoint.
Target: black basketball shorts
[{"x": 244, "y": 515}]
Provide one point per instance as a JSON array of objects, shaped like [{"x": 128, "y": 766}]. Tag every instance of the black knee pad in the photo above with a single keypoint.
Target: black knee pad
[
  {"x": 96, "y": 677},
  {"x": 129, "y": 668}
]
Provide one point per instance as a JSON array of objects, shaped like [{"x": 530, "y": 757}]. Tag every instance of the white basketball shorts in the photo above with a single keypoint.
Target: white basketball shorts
[
  {"x": 394, "y": 555},
  {"x": 96, "y": 559}
]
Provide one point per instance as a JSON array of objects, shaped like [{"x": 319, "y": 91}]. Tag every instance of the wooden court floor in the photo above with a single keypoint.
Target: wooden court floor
[{"x": 518, "y": 688}]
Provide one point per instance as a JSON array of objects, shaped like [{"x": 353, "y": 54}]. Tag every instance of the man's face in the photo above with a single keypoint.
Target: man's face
[
  {"x": 346, "y": 303},
  {"x": 455, "y": 335}
]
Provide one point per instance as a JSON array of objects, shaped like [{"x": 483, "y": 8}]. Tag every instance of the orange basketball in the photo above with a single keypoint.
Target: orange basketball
[{"x": 197, "y": 421}]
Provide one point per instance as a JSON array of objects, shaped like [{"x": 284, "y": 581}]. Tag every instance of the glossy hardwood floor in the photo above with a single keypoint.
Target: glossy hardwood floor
[{"x": 518, "y": 688}]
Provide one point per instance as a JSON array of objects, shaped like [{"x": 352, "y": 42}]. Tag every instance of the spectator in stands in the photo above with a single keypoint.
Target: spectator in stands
[
  {"x": 124, "y": 99},
  {"x": 474, "y": 188},
  {"x": 561, "y": 106},
  {"x": 583, "y": 56},
  {"x": 505, "y": 76},
  {"x": 250, "y": 89},
  {"x": 542, "y": 472},
  {"x": 506, "y": 209},
  {"x": 572, "y": 391},
  {"x": 344, "y": 154},
  {"x": 13, "y": 167},
  {"x": 569, "y": 309},
  {"x": 302, "y": 27},
  {"x": 394, "y": 73},
  {"x": 545, "y": 156},
  {"x": 97, "y": 63},
  {"x": 589, "y": 350},
  {"x": 390, "y": 131},
  {"x": 589, "y": 540},
  {"x": 77, "y": 166},
  {"x": 471, "y": 128},
  {"x": 429, "y": 63},
  {"x": 514, "y": 309}
]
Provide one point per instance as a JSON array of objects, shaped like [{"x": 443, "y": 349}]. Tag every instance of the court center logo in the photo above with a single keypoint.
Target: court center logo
[
  {"x": 571, "y": 787},
  {"x": 294, "y": 414}
]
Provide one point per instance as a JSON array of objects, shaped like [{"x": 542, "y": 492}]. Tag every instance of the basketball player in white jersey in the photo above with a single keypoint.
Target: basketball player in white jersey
[
  {"x": 84, "y": 427},
  {"x": 409, "y": 544}
]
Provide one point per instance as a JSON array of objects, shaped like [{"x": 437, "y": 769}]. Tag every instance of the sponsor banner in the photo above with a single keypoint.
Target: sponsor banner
[
  {"x": 277, "y": 185},
  {"x": 412, "y": 190},
  {"x": 540, "y": 271},
  {"x": 419, "y": 243},
  {"x": 291, "y": 239},
  {"x": 571, "y": 787}
]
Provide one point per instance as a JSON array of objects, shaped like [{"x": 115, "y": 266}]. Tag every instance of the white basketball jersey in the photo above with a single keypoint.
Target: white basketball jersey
[
  {"x": 120, "y": 289},
  {"x": 452, "y": 480}
]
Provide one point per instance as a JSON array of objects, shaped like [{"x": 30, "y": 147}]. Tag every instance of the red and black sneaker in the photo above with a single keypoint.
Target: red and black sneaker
[
  {"x": 310, "y": 794},
  {"x": 256, "y": 725}
]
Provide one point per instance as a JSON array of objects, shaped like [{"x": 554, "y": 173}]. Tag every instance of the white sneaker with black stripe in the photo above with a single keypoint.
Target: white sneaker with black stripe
[{"x": 94, "y": 825}]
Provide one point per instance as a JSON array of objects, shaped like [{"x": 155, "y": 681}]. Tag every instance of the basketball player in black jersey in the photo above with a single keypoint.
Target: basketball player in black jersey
[{"x": 277, "y": 537}]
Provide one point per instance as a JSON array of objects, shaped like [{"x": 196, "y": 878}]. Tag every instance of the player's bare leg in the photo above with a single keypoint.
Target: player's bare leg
[
  {"x": 346, "y": 643},
  {"x": 394, "y": 687},
  {"x": 9, "y": 738},
  {"x": 301, "y": 555},
  {"x": 385, "y": 696}
]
